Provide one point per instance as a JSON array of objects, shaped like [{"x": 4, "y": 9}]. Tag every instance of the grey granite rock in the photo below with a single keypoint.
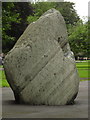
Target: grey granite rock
[{"x": 41, "y": 68}]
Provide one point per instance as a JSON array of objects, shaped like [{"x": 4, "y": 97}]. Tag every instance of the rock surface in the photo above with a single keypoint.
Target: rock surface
[{"x": 41, "y": 68}]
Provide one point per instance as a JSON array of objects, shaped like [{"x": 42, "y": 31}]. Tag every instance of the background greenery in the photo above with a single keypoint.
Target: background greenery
[
  {"x": 83, "y": 70},
  {"x": 17, "y": 15},
  {"x": 3, "y": 81}
]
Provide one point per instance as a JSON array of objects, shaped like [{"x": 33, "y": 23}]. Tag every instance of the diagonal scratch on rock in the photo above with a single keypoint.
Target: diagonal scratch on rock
[{"x": 31, "y": 76}]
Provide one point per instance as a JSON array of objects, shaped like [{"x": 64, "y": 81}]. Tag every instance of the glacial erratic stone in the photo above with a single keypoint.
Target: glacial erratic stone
[{"x": 41, "y": 67}]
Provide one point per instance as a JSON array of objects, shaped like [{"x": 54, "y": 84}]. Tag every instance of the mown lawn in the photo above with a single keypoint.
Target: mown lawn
[
  {"x": 83, "y": 70},
  {"x": 3, "y": 81},
  {"x": 1, "y": 66}
]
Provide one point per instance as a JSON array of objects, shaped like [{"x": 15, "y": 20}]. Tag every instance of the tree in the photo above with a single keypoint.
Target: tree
[
  {"x": 24, "y": 9},
  {"x": 68, "y": 12},
  {"x": 8, "y": 16},
  {"x": 66, "y": 8},
  {"x": 39, "y": 9},
  {"x": 14, "y": 22},
  {"x": 78, "y": 38},
  {"x": 17, "y": 15},
  {"x": 88, "y": 41}
]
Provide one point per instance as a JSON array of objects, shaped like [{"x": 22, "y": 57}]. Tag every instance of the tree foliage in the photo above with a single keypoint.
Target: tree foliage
[
  {"x": 7, "y": 18},
  {"x": 39, "y": 9},
  {"x": 68, "y": 12},
  {"x": 14, "y": 22},
  {"x": 17, "y": 15},
  {"x": 66, "y": 8},
  {"x": 78, "y": 38}
]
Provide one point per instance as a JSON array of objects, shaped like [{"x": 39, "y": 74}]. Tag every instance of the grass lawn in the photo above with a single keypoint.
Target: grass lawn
[
  {"x": 3, "y": 81},
  {"x": 1, "y": 66},
  {"x": 83, "y": 70}
]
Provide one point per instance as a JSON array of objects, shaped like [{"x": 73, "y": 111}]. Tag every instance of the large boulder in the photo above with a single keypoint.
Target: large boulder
[{"x": 41, "y": 68}]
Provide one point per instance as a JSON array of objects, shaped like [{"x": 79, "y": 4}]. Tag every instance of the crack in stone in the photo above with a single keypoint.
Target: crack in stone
[
  {"x": 63, "y": 81},
  {"x": 32, "y": 76}
]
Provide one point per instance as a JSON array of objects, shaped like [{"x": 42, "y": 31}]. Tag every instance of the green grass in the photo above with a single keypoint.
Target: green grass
[
  {"x": 1, "y": 66},
  {"x": 82, "y": 67},
  {"x": 83, "y": 73},
  {"x": 3, "y": 81},
  {"x": 83, "y": 70}
]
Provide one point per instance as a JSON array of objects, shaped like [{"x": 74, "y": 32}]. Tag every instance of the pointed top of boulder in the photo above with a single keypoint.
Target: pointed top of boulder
[{"x": 52, "y": 10}]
